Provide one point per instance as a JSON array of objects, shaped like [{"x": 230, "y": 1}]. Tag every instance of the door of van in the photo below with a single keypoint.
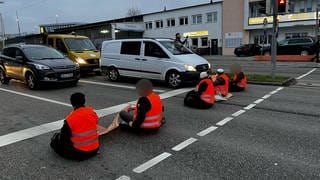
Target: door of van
[
  {"x": 153, "y": 61},
  {"x": 130, "y": 59}
]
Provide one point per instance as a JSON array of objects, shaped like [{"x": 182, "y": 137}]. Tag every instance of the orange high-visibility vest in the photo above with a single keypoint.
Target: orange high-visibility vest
[
  {"x": 223, "y": 89},
  {"x": 208, "y": 95},
  {"x": 83, "y": 125},
  {"x": 154, "y": 115},
  {"x": 243, "y": 82}
]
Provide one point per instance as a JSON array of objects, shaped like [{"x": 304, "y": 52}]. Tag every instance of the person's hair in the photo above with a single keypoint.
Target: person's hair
[
  {"x": 144, "y": 86},
  {"x": 77, "y": 99},
  {"x": 177, "y": 34}
]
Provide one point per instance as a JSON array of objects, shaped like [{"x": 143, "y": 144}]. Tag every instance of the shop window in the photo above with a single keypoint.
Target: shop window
[
  {"x": 131, "y": 48},
  {"x": 309, "y": 5},
  {"x": 183, "y": 21},
  {"x": 197, "y": 19},
  {"x": 195, "y": 42},
  {"x": 204, "y": 41},
  {"x": 296, "y": 35}
]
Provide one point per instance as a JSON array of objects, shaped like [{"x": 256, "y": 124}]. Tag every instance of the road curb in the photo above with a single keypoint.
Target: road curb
[{"x": 288, "y": 82}]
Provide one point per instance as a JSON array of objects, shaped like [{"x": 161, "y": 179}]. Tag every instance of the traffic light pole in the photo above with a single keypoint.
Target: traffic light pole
[
  {"x": 274, "y": 44},
  {"x": 317, "y": 36}
]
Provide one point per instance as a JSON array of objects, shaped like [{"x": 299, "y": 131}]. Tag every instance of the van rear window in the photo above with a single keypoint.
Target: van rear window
[{"x": 131, "y": 48}]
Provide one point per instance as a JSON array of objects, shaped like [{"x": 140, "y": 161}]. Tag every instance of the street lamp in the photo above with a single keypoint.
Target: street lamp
[
  {"x": 57, "y": 18},
  {"x": 2, "y": 28}
]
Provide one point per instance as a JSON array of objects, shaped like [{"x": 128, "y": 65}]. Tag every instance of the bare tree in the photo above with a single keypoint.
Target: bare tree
[{"x": 133, "y": 12}]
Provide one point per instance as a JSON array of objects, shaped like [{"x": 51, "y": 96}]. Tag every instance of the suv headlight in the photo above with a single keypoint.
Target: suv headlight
[
  {"x": 189, "y": 68},
  {"x": 41, "y": 67},
  {"x": 80, "y": 60}
]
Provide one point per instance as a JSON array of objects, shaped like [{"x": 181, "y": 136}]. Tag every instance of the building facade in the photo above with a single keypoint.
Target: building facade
[{"x": 201, "y": 23}]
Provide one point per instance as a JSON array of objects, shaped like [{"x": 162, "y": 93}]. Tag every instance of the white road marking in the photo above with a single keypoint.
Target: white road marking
[
  {"x": 143, "y": 167},
  {"x": 259, "y": 101},
  {"x": 250, "y": 106},
  {"x": 117, "y": 85},
  {"x": 306, "y": 74},
  {"x": 224, "y": 121},
  {"x": 279, "y": 89},
  {"x": 238, "y": 113},
  {"x": 36, "y": 97},
  {"x": 53, "y": 126},
  {"x": 184, "y": 144},
  {"x": 123, "y": 178},
  {"x": 266, "y": 96},
  {"x": 207, "y": 131},
  {"x": 274, "y": 92}
]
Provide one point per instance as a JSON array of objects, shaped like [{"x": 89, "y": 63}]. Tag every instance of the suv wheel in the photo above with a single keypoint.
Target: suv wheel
[
  {"x": 3, "y": 77},
  {"x": 304, "y": 53},
  {"x": 113, "y": 74},
  {"x": 174, "y": 79},
  {"x": 31, "y": 81}
]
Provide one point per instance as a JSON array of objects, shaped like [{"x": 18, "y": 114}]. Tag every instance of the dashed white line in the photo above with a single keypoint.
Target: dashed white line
[
  {"x": 259, "y": 101},
  {"x": 250, "y": 106},
  {"x": 143, "y": 167},
  {"x": 123, "y": 178},
  {"x": 224, "y": 121},
  {"x": 306, "y": 74},
  {"x": 238, "y": 113},
  {"x": 184, "y": 144},
  {"x": 266, "y": 96},
  {"x": 36, "y": 97},
  {"x": 279, "y": 89},
  {"x": 207, "y": 131},
  {"x": 116, "y": 85},
  {"x": 274, "y": 92}
]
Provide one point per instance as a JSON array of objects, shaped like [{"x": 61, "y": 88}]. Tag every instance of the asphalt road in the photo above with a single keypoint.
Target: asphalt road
[{"x": 266, "y": 132}]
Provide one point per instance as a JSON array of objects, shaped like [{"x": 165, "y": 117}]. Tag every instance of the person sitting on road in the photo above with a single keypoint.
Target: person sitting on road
[
  {"x": 147, "y": 114},
  {"x": 221, "y": 83},
  {"x": 78, "y": 138},
  {"x": 239, "y": 80},
  {"x": 203, "y": 96}
]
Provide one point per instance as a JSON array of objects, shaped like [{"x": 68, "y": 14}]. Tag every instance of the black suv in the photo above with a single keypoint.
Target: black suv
[
  {"x": 295, "y": 46},
  {"x": 37, "y": 65}
]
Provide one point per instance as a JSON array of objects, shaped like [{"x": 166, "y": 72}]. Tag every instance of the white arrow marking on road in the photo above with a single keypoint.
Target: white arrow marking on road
[
  {"x": 184, "y": 144},
  {"x": 207, "y": 131},
  {"x": 152, "y": 162}
]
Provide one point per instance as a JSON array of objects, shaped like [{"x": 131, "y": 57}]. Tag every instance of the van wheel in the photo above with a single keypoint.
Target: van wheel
[
  {"x": 174, "y": 79},
  {"x": 113, "y": 74},
  {"x": 3, "y": 77},
  {"x": 31, "y": 81}
]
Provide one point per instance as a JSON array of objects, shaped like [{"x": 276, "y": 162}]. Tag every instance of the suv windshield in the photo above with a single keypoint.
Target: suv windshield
[
  {"x": 175, "y": 48},
  {"x": 80, "y": 44},
  {"x": 41, "y": 53}
]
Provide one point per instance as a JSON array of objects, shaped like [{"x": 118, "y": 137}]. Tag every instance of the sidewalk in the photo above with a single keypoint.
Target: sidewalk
[{"x": 228, "y": 57}]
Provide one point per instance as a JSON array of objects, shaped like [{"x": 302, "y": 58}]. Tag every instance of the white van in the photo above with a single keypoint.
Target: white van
[{"x": 159, "y": 59}]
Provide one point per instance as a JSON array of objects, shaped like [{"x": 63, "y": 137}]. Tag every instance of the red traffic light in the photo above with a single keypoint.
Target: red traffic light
[
  {"x": 282, "y": 6},
  {"x": 281, "y": 2}
]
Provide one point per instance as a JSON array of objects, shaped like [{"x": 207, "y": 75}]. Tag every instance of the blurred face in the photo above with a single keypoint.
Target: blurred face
[
  {"x": 178, "y": 36},
  {"x": 143, "y": 92}
]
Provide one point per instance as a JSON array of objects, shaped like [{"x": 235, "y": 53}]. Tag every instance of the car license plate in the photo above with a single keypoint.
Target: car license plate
[{"x": 66, "y": 75}]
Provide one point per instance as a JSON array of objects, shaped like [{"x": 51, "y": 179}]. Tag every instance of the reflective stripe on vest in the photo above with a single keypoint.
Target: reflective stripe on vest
[
  {"x": 87, "y": 133},
  {"x": 84, "y": 143}
]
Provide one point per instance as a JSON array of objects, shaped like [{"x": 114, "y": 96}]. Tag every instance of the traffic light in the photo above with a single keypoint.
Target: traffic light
[{"x": 282, "y": 6}]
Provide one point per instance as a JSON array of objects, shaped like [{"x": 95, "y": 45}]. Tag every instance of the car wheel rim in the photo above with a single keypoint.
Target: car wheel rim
[
  {"x": 304, "y": 53},
  {"x": 30, "y": 81},
  {"x": 113, "y": 75},
  {"x": 174, "y": 80}
]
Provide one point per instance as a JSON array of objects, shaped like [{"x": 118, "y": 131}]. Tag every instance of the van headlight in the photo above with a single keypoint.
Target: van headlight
[
  {"x": 189, "y": 68},
  {"x": 209, "y": 65},
  {"x": 41, "y": 67},
  {"x": 77, "y": 65},
  {"x": 80, "y": 60}
]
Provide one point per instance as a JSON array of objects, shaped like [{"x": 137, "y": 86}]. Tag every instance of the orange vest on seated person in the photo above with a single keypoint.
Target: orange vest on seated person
[
  {"x": 208, "y": 95},
  {"x": 83, "y": 125},
  {"x": 243, "y": 82},
  {"x": 153, "y": 118},
  {"x": 223, "y": 89}
]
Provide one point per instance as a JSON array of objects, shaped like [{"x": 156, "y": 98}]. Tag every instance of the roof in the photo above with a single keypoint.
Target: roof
[
  {"x": 23, "y": 45},
  {"x": 66, "y": 36}
]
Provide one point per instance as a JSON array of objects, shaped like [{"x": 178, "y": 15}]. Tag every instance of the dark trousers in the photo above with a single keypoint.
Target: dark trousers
[
  {"x": 67, "y": 151},
  {"x": 193, "y": 100},
  {"x": 235, "y": 88}
]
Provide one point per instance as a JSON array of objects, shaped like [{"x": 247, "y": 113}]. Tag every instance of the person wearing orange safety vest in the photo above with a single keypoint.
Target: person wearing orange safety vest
[
  {"x": 147, "y": 114},
  {"x": 203, "y": 97},
  {"x": 221, "y": 83},
  {"x": 78, "y": 138},
  {"x": 239, "y": 80}
]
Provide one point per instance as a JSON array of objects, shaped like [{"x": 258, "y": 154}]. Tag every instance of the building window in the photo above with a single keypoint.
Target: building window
[
  {"x": 171, "y": 22},
  {"x": 233, "y": 42},
  {"x": 212, "y": 17},
  {"x": 204, "y": 41},
  {"x": 195, "y": 42},
  {"x": 183, "y": 21},
  {"x": 318, "y": 4},
  {"x": 302, "y": 6},
  {"x": 159, "y": 24},
  {"x": 197, "y": 19},
  {"x": 309, "y": 5},
  {"x": 148, "y": 25}
]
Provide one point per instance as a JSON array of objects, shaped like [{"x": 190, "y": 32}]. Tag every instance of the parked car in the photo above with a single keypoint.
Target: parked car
[
  {"x": 295, "y": 46},
  {"x": 36, "y": 65},
  {"x": 248, "y": 50},
  {"x": 159, "y": 59}
]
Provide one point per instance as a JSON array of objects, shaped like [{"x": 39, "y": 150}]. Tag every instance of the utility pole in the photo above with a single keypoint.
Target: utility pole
[
  {"x": 57, "y": 18},
  {"x": 317, "y": 36},
  {"x": 2, "y": 29},
  {"x": 274, "y": 44},
  {"x": 18, "y": 23}
]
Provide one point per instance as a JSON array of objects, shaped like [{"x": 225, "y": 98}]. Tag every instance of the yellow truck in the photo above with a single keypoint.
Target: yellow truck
[{"x": 79, "y": 49}]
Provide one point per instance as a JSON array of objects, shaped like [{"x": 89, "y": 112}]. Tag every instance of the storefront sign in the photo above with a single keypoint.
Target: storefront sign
[
  {"x": 136, "y": 27},
  {"x": 196, "y": 34},
  {"x": 284, "y": 18}
]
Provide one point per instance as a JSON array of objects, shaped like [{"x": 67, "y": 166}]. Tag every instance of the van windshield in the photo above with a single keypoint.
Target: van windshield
[
  {"x": 80, "y": 44},
  {"x": 42, "y": 53},
  {"x": 175, "y": 48}
]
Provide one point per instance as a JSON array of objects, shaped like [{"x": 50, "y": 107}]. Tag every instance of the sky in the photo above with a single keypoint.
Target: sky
[{"x": 31, "y": 13}]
